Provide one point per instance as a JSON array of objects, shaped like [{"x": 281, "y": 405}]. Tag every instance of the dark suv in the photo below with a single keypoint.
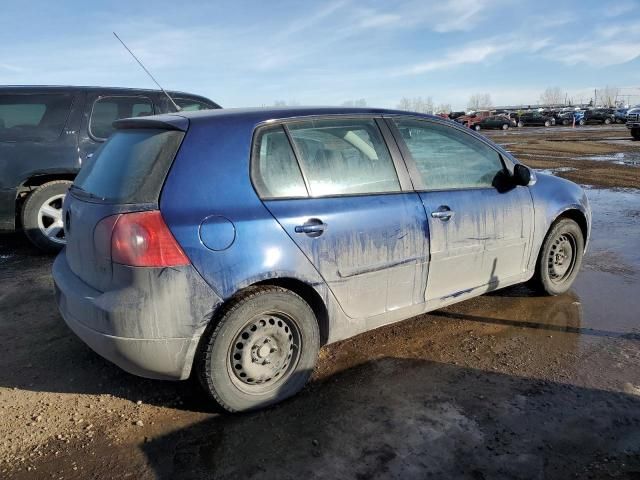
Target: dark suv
[
  {"x": 600, "y": 115},
  {"x": 535, "y": 119},
  {"x": 47, "y": 133}
]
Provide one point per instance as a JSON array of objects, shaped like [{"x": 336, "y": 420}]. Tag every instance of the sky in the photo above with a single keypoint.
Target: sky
[{"x": 253, "y": 53}]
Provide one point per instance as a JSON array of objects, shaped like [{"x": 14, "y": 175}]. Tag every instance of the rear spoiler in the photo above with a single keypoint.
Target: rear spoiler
[{"x": 162, "y": 122}]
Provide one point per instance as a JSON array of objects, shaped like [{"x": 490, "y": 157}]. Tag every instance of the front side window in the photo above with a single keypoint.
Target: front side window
[
  {"x": 446, "y": 158},
  {"x": 37, "y": 117},
  {"x": 106, "y": 110},
  {"x": 274, "y": 168},
  {"x": 344, "y": 157}
]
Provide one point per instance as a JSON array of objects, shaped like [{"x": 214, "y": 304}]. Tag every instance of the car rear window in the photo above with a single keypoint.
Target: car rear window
[
  {"x": 130, "y": 167},
  {"x": 36, "y": 117}
]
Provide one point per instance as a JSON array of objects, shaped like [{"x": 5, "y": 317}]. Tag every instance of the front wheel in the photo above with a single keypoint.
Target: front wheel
[
  {"x": 560, "y": 258},
  {"x": 581, "y": 123},
  {"x": 42, "y": 216},
  {"x": 476, "y": 127},
  {"x": 547, "y": 123},
  {"x": 261, "y": 349},
  {"x": 520, "y": 124},
  {"x": 505, "y": 126},
  {"x": 607, "y": 121}
]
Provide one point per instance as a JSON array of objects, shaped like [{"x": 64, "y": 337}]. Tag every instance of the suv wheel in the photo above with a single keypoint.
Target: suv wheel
[
  {"x": 42, "y": 216},
  {"x": 520, "y": 124},
  {"x": 262, "y": 349},
  {"x": 505, "y": 126},
  {"x": 607, "y": 121},
  {"x": 547, "y": 123},
  {"x": 560, "y": 258},
  {"x": 476, "y": 127}
]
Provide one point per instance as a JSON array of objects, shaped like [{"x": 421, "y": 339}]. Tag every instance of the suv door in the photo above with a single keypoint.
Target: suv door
[
  {"x": 480, "y": 225},
  {"x": 342, "y": 197},
  {"x": 101, "y": 110}
]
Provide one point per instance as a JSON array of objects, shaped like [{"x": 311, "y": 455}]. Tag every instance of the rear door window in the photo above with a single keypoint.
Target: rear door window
[
  {"x": 187, "y": 105},
  {"x": 130, "y": 167},
  {"x": 37, "y": 117},
  {"x": 106, "y": 110},
  {"x": 344, "y": 157}
]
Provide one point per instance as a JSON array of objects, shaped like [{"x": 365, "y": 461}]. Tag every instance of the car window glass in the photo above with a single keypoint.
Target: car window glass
[
  {"x": 275, "y": 171},
  {"x": 447, "y": 158},
  {"x": 344, "y": 157},
  {"x": 187, "y": 105},
  {"x": 38, "y": 117},
  {"x": 108, "y": 109}
]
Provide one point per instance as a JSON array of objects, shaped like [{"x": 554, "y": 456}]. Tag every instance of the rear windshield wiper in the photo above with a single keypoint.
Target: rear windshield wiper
[{"x": 83, "y": 192}]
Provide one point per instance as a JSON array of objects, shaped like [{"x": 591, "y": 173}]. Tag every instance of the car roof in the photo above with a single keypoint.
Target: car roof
[
  {"x": 69, "y": 88},
  {"x": 275, "y": 113}
]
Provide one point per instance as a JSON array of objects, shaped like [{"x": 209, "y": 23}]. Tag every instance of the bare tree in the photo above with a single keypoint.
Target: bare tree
[
  {"x": 479, "y": 101},
  {"x": 552, "y": 96},
  {"x": 607, "y": 96},
  {"x": 443, "y": 108},
  {"x": 416, "y": 104},
  {"x": 361, "y": 102}
]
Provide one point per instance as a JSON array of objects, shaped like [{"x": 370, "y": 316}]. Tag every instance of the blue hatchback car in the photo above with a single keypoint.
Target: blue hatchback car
[{"x": 232, "y": 244}]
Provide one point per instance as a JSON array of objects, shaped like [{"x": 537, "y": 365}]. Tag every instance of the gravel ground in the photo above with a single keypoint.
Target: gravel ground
[{"x": 507, "y": 385}]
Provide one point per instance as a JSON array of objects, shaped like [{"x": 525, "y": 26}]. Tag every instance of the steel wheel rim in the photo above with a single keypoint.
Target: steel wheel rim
[
  {"x": 50, "y": 219},
  {"x": 265, "y": 351},
  {"x": 561, "y": 259}
]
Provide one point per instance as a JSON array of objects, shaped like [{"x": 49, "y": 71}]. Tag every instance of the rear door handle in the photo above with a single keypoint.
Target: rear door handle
[
  {"x": 444, "y": 213},
  {"x": 313, "y": 227}
]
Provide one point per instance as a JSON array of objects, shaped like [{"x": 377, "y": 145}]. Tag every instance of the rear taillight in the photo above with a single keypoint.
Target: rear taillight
[{"x": 139, "y": 239}]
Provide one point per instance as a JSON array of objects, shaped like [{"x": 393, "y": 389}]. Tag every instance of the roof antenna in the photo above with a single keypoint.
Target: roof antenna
[{"x": 148, "y": 73}]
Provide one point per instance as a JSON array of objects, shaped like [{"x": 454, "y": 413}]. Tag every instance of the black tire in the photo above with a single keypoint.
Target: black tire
[
  {"x": 607, "y": 121},
  {"x": 505, "y": 126},
  {"x": 231, "y": 350},
  {"x": 49, "y": 193},
  {"x": 547, "y": 123},
  {"x": 520, "y": 124},
  {"x": 565, "y": 122},
  {"x": 635, "y": 133},
  {"x": 552, "y": 275},
  {"x": 477, "y": 127}
]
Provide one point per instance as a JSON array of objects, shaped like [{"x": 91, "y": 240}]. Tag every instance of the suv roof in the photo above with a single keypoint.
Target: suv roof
[{"x": 76, "y": 88}]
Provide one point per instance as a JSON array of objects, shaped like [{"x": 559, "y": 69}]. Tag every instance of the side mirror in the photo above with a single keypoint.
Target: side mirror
[{"x": 523, "y": 175}]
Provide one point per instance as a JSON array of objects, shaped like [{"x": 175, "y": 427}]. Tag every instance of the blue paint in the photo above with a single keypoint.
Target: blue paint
[{"x": 217, "y": 232}]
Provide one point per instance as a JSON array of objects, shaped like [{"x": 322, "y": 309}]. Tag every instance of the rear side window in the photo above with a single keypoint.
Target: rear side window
[
  {"x": 130, "y": 167},
  {"x": 106, "y": 110},
  {"x": 344, "y": 157},
  {"x": 275, "y": 171},
  {"x": 447, "y": 158},
  {"x": 187, "y": 105},
  {"x": 39, "y": 117}
]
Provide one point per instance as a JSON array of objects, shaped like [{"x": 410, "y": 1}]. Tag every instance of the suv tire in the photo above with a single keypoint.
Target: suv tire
[
  {"x": 635, "y": 133},
  {"x": 477, "y": 127},
  {"x": 261, "y": 349},
  {"x": 42, "y": 216},
  {"x": 560, "y": 258}
]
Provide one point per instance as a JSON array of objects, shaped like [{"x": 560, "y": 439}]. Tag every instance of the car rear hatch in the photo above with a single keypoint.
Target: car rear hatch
[{"x": 125, "y": 175}]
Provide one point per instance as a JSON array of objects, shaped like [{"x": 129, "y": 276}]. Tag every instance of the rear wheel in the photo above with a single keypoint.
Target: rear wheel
[
  {"x": 565, "y": 122},
  {"x": 505, "y": 126},
  {"x": 547, "y": 123},
  {"x": 581, "y": 122},
  {"x": 261, "y": 350},
  {"x": 635, "y": 133},
  {"x": 42, "y": 216},
  {"x": 607, "y": 121},
  {"x": 520, "y": 124},
  {"x": 560, "y": 258},
  {"x": 476, "y": 127}
]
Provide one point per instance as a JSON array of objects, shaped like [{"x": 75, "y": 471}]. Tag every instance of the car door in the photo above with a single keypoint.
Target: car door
[
  {"x": 101, "y": 110},
  {"x": 480, "y": 223},
  {"x": 348, "y": 205}
]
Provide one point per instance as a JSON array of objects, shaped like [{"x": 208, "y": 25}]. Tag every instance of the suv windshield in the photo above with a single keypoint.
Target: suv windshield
[
  {"x": 130, "y": 167},
  {"x": 39, "y": 117}
]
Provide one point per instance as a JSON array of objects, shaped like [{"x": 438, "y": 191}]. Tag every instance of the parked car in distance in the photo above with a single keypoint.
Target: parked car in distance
[
  {"x": 535, "y": 119},
  {"x": 47, "y": 133},
  {"x": 633, "y": 122},
  {"x": 599, "y": 115},
  {"x": 234, "y": 243},
  {"x": 475, "y": 118},
  {"x": 454, "y": 115},
  {"x": 620, "y": 115},
  {"x": 494, "y": 122}
]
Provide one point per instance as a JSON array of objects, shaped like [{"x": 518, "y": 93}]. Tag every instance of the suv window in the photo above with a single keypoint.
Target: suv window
[
  {"x": 344, "y": 157},
  {"x": 274, "y": 169},
  {"x": 33, "y": 117},
  {"x": 106, "y": 110},
  {"x": 187, "y": 105},
  {"x": 447, "y": 158}
]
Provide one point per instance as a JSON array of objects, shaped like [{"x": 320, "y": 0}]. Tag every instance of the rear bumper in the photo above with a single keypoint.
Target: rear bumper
[{"x": 150, "y": 325}]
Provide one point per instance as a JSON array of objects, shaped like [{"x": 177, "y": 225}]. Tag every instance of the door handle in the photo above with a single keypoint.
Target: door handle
[
  {"x": 313, "y": 227},
  {"x": 444, "y": 213}
]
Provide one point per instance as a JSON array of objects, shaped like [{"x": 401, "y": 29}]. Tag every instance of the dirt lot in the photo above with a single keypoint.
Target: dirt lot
[{"x": 508, "y": 385}]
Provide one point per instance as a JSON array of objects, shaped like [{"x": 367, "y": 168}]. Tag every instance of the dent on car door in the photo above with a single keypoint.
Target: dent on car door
[
  {"x": 480, "y": 224},
  {"x": 339, "y": 198}
]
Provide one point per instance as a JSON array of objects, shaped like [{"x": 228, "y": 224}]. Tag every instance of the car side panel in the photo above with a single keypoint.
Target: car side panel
[{"x": 210, "y": 180}]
